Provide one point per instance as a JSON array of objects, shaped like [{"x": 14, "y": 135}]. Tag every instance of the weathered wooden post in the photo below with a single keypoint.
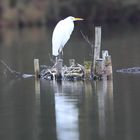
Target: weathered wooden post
[
  {"x": 97, "y": 44},
  {"x": 87, "y": 66},
  {"x": 59, "y": 66},
  {"x": 71, "y": 62},
  {"x": 99, "y": 68},
  {"x": 97, "y": 49},
  {"x": 36, "y": 68},
  {"x": 109, "y": 68},
  {"x": 108, "y": 64}
]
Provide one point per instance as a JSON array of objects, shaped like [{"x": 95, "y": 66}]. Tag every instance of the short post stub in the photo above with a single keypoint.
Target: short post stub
[
  {"x": 59, "y": 66},
  {"x": 87, "y": 65},
  {"x": 108, "y": 66},
  {"x": 36, "y": 68},
  {"x": 72, "y": 62},
  {"x": 99, "y": 65},
  {"x": 105, "y": 54}
]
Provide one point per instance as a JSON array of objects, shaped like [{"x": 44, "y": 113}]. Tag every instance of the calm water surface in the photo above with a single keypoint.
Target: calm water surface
[{"x": 101, "y": 110}]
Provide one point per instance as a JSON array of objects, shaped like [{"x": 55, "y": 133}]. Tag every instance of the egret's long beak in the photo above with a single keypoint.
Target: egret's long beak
[{"x": 75, "y": 19}]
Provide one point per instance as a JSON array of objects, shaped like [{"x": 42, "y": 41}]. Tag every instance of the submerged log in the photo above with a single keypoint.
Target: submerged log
[{"x": 133, "y": 70}]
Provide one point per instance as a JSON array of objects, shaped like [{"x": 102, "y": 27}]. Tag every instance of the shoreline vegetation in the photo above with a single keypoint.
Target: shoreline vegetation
[{"x": 22, "y": 13}]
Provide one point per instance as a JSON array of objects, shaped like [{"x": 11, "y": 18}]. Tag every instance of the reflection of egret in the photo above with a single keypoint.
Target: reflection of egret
[
  {"x": 61, "y": 34},
  {"x": 67, "y": 113}
]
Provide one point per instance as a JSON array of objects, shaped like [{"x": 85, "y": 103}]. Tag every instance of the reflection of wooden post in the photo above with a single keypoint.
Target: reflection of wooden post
[
  {"x": 104, "y": 91},
  {"x": 101, "y": 91},
  {"x": 36, "y": 68},
  {"x": 97, "y": 46},
  {"x": 37, "y": 89}
]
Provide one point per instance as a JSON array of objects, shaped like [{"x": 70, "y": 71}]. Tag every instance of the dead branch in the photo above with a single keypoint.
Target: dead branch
[
  {"x": 8, "y": 68},
  {"x": 86, "y": 39},
  {"x": 15, "y": 73}
]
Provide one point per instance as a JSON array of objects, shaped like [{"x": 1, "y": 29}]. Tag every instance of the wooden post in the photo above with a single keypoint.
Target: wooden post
[
  {"x": 36, "y": 68},
  {"x": 108, "y": 64},
  {"x": 97, "y": 46},
  {"x": 105, "y": 54},
  {"x": 72, "y": 62},
  {"x": 87, "y": 65},
  {"x": 99, "y": 68},
  {"x": 59, "y": 66}
]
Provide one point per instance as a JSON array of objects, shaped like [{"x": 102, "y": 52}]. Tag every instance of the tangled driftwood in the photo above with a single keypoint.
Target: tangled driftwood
[{"x": 73, "y": 72}]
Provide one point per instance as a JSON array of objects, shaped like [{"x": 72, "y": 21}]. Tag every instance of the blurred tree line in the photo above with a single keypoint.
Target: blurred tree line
[{"x": 49, "y": 11}]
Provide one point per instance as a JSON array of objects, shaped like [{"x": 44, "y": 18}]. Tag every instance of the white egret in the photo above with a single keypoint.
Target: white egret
[{"x": 62, "y": 33}]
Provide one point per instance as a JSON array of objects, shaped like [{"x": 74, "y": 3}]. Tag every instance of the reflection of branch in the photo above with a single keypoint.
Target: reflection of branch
[{"x": 86, "y": 39}]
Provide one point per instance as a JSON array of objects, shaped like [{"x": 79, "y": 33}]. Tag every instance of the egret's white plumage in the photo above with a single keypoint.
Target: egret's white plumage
[{"x": 61, "y": 34}]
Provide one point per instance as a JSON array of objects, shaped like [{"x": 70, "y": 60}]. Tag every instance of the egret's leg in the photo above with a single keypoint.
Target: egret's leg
[
  {"x": 62, "y": 53},
  {"x": 56, "y": 59},
  {"x": 59, "y": 56}
]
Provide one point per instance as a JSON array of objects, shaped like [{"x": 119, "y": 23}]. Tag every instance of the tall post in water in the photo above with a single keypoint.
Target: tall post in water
[{"x": 97, "y": 46}]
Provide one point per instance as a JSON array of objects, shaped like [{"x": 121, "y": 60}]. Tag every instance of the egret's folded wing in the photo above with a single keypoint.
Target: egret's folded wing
[{"x": 61, "y": 35}]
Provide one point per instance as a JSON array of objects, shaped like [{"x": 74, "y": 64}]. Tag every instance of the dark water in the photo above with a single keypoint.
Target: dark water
[{"x": 101, "y": 110}]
